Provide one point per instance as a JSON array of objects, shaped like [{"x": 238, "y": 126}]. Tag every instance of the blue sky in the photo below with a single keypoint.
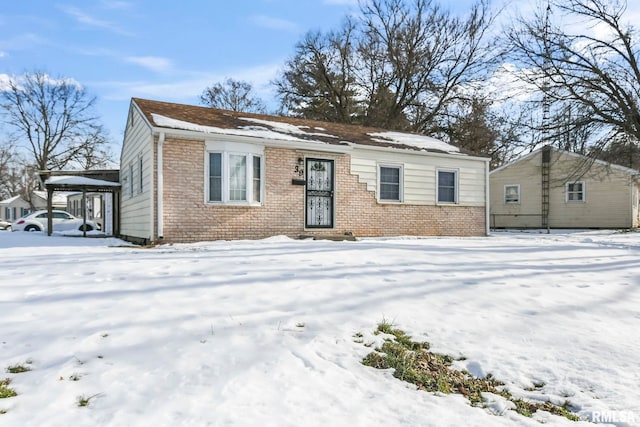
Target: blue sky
[{"x": 165, "y": 50}]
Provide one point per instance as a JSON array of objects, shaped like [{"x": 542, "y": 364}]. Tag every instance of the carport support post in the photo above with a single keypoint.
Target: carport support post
[
  {"x": 49, "y": 211},
  {"x": 84, "y": 213}
]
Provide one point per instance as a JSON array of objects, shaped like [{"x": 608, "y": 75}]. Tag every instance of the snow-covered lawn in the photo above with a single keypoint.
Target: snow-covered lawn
[{"x": 261, "y": 333}]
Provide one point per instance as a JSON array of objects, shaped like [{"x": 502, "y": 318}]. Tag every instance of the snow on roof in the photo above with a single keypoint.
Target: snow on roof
[
  {"x": 209, "y": 120},
  {"x": 288, "y": 128},
  {"x": 254, "y": 131},
  {"x": 9, "y": 200},
  {"x": 422, "y": 142},
  {"x": 79, "y": 180}
]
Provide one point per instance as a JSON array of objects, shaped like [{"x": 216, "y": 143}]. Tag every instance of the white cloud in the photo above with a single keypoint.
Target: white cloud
[
  {"x": 189, "y": 88},
  {"x": 274, "y": 23},
  {"x": 6, "y": 80},
  {"x": 86, "y": 19},
  {"x": 154, "y": 63},
  {"x": 116, "y": 4},
  {"x": 2, "y": 54}
]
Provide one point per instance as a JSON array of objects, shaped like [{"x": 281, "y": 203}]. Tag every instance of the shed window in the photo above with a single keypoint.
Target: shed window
[
  {"x": 575, "y": 191},
  {"x": 390, "y": 183},
  {"x": 512, "y": 194},
  {"x": 447, "y": 186}
]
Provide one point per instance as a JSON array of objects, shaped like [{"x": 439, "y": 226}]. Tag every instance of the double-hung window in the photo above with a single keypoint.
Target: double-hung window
[
  {"x": 575, "y": 192},
  {"x": 512, "y": 194},
  {"x": 390, "y": 183},
  {"x": 447, "y": 186},
  {"x": 234, "y": 177}
]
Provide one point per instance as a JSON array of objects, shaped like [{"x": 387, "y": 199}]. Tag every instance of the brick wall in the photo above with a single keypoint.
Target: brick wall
[{"x": 188, "y": 218}]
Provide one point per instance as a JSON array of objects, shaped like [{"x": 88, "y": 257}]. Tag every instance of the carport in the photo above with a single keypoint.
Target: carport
[{"x": 90, "y": 181}]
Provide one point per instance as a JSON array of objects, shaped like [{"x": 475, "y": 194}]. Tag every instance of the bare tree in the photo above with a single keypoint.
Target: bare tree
[
  {"x": 423, "y": 55},
  {"x": 319, "y": 82},
  {"x": 8, "y": 160},
  {"x": 233, "y": 95},
  {"x": 583, "y": 57},
  {"x": 51, "y": 116},
  {"x": 397, "y": 66}
]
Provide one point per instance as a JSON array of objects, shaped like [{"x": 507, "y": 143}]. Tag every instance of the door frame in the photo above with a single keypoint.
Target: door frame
[{"x": 332, "y": 210}]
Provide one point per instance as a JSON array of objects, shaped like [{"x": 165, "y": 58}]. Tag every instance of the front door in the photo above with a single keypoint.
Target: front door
[{"x": 319, "y": 197}]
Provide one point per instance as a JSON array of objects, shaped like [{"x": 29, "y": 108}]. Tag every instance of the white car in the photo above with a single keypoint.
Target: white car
[
  {"x": 62, "y": 221},
  {"x": 5, "y": 225}
]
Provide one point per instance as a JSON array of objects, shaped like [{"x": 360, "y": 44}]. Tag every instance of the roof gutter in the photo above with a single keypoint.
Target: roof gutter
[{"x": 160, "y": 206}]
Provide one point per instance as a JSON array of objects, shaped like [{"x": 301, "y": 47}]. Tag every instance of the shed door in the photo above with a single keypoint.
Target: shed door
[{"x": 319, "y": 194}]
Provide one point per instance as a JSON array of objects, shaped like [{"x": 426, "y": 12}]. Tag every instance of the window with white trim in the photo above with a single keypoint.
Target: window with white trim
[
  {"x": 447, "y": 186},
  {"x": 140, "y": 175},
  {"x": 575, "y": 191},
  {"x": 131, "y": 175},
  {"x": 234, "y": 178},
  {"x": 390, "y": 179},
  {"x": 512, "y": 194}
]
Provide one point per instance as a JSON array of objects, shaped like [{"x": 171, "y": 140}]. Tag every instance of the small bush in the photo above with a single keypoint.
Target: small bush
[
  {"x": 17, "y": 369},
  {"x": 5, "y": 390},
  {"x": 412, "y": 362},
  {"x": 85, "y": 400}
]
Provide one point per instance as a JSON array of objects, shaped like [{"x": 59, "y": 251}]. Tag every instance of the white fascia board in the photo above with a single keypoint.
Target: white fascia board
[{"x": 460, "y": 156}]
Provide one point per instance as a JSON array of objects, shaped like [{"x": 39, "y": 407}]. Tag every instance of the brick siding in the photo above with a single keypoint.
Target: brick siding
[{"x": 187, "y": 218}]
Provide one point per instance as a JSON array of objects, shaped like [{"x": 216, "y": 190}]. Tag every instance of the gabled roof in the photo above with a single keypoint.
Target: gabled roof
[
  {"x": 624, "y": 169},
  {"x": 211, "y": 120},
  {"x": 10, "y": 200}
]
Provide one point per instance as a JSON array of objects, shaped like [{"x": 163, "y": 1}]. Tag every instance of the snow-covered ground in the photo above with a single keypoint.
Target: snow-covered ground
[{"x": 261, "y": 333}]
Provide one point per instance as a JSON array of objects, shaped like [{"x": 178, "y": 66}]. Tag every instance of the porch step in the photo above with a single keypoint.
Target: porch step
[{"x": 335, "y": 237}]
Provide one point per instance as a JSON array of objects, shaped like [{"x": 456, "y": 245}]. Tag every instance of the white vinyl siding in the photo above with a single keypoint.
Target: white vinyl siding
[
  {"x": 608, "y": 203},
  {"x": 137, "y": 212},
  {"x": 419, "y": 175}
]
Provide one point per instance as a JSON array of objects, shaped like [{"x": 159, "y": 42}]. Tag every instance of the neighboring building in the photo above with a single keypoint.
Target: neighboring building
[
  {"x": 16, "y": 206},
  {"x": 59, "y": 200},
  {"x": 550, "y": 188},
  {"x": 13, "y": 208},
  {"x": 196, "y": 173},
  {"x": 95, "y": 206}
]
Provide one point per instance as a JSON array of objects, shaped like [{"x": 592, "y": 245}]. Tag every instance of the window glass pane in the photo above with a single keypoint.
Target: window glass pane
[
  {"x": 575, "y": 191},
  {"x": 215, "y": 177},
  {"x": 256, "y": 179},
  {"x": 389, "y": 183},
  {"x": 237, "y": 177},
  {"x": 446, "y": 187},
  {"x": 512, "y": 194}
]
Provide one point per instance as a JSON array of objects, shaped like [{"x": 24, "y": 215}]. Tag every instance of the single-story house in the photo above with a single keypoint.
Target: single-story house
[
  {"x": 13, "y": 208},
  {"x": 17, "y": 206},
  {"x": 551, "y": 188},
  {"x": 192, "y": 173}
]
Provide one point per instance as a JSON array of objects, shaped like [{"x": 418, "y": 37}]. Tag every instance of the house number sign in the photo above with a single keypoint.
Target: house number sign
[{"x": 298, "y": 173}]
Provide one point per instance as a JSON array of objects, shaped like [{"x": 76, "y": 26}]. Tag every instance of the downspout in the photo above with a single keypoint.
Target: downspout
[
  {"x": 160, "y": 188},
  {"x": 487, "y": 197}
]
